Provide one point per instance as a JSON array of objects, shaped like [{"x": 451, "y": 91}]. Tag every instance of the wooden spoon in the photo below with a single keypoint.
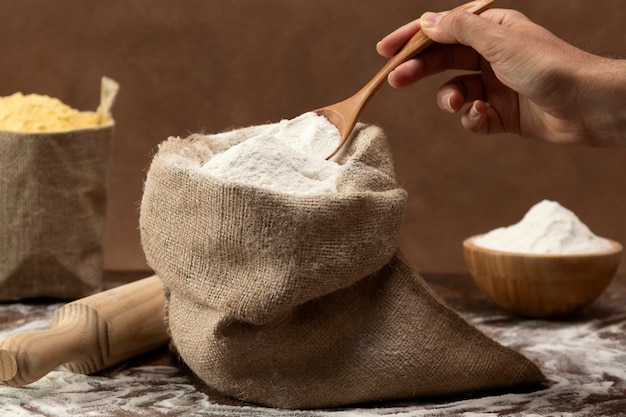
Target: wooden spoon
[{"x": 345, "y": 114}]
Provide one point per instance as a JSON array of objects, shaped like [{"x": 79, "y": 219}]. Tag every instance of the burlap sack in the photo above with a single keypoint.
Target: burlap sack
[
  {"x": 303, "y": 302},
  {"x": 52, "y": 210}
]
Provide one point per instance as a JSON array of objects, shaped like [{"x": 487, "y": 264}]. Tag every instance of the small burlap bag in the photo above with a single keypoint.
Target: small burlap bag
[
  {"x": 52, "y": 209},
  {"x": 303, "y": 302}
]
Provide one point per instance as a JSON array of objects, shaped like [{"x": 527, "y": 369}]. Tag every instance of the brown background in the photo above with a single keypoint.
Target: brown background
[{"x": 208, "y": 65}]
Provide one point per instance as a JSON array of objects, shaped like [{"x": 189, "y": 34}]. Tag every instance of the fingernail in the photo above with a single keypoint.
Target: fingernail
[
  {"x": 473, "y": 113},
  {"x": 430, "y": 19},
  {"x": 447, "y": 103}
]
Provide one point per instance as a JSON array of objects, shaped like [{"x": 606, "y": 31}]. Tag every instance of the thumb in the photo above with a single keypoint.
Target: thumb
[{"x": 480, "y": 32}]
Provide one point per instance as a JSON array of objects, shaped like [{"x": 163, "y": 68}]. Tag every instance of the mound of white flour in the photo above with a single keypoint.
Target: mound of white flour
[
  {"x": 287, "y": 157},
  {"x": 547, "y": 228}
]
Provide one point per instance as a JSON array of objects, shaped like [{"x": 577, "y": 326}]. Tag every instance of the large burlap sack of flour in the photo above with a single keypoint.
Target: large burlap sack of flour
[
  {"x": 303, "y": 302},
  {"x": 52, "y": 209}
]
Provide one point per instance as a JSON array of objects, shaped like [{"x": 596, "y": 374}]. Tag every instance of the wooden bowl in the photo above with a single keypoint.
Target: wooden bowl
[{"x": 541, "y": 286}]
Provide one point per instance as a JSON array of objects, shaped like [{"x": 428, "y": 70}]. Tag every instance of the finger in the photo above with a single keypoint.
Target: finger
[
  {"x": 393, "y": 42},
  {"x": 435, "y": 59},
  {"x": 460, "y": 90},
  {"x": 390, "y": 44},
  {"x": 482, "y": 119},
  {"x": 450, "y": 100},
  {"x": 406, "y": 74}
]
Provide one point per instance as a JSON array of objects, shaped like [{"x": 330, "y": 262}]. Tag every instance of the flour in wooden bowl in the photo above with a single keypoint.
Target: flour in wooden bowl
[{"x": 547, "y": 228}]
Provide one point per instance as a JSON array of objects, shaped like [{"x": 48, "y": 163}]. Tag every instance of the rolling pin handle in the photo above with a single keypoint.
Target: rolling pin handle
[
  {"x": 28, "y": 356},
  {"x": 8, "y": 365},
  {"x": 90, "y": 334}
]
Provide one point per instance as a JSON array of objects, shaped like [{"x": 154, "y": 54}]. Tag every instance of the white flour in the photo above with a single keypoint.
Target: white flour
[
  {"x": 287, "y": 157},
  {"x": 547, "y": 228}
]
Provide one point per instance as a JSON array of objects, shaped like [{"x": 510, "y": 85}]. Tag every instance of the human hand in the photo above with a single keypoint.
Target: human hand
[{"x": 528, "y": 81}]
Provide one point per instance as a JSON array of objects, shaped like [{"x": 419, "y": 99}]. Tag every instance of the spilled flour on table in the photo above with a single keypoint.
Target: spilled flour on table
[{"x": 584, "y": 361}]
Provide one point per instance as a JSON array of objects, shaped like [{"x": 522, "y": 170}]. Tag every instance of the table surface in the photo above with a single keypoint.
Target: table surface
[{"x": 583, "y": 358}]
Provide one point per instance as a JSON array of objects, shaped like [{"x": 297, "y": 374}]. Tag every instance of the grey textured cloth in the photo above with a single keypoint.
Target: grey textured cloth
[{"x": 52, "y": 212}]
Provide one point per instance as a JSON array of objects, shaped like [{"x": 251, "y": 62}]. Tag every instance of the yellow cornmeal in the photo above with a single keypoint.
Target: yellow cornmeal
[{"x": 39, "y": 113}]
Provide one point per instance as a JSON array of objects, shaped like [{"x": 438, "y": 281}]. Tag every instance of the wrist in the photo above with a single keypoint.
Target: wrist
[{"x": 602, "y": 101}]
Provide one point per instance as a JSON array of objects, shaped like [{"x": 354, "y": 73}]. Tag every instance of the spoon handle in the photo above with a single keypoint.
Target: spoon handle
[
  {"x": 345, "y": 114},
  {"x": 418, "y": 43}
]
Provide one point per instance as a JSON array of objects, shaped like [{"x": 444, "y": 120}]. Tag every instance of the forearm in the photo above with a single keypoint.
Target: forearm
[{"x": 602, "y": 101}]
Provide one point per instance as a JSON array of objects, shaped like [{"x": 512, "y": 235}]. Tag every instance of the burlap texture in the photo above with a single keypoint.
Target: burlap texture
[
  {"x": 52, "y": 212},
  {"x": 302, "y": 302}
]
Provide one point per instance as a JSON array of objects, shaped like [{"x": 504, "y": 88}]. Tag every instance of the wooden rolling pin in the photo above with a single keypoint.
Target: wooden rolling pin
[{"x": 89, "y": 334}]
